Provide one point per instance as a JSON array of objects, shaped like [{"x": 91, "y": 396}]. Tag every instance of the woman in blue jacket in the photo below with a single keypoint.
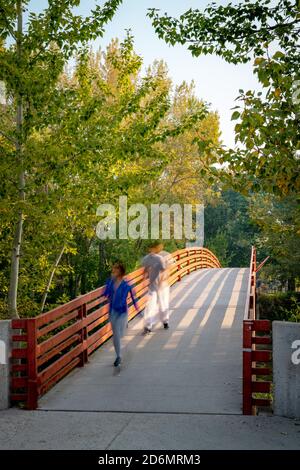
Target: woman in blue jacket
[{"x": 117, "y": 290}]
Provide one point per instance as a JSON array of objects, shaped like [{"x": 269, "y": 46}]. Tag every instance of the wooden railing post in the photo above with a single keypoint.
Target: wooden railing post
[
  {"x": 83, "y": 334},
  {"x": 178, "y": 267},
  {"x": 247, "y": 367},
  {"x": 254, "y": 281},
  {"x": 33, "y": 392}
]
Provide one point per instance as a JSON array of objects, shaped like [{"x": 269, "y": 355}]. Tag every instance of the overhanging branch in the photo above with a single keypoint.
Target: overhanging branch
[
  {"x": 11, "y": 139},
  {"x": 8, "y": 25}
]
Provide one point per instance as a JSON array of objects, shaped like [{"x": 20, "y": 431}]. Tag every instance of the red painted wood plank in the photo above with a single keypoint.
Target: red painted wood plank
[
  {"x": 261, "y": 402},
  {"x": 262, "y": 325},
  {"x": 261, "y": 387},
  {"x": 98, "y": 322},
  {"x": 137, "y": 280},
  {"x": 19, "y": 397},
  {"x": 93, "y": 304},
  {"x": 141, "y": 287},
  {"x": 263, "y": 356},
  {"x": 140, "y": 304},
  {"x": 52, "y": 315},
  {"x": 56, "y": 377},
  {"x": 261, "y": 371},
  {"x": 98, "y": 334},
  {"x": 96, "y": 315},
  {"x": 135, "y": 274},
  {"x": 19, "y": 338},
  {"x": 46, "y": 374},
  {"x": 261, "y": 340},
  {"x": 58, "y": 312},
  {"x": 141, "y": 292},
  {"x": 184, "y": 268},
  {"x": 132, "y": 308},
  {"x": 175, "y": 277},
  {"x": 58, "y": 339},
  {"x": 19, "y": 367},
  {"x": 99, "y": 342},
  {"x": 132, "y": 315},
  {"x": 86, "y": 298},
  {"x": 56, "y": 350},
  {"x": 19, "y": 324},
  {"x": 19, "y": 382},
  {"x": 63, "y": 320},
  {"x": 19, "y": 353}
]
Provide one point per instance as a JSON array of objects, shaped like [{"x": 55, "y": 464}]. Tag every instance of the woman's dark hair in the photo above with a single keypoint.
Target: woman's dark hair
[
  {"x": 154, "y": 243},
  {"x": 120, "y": 266}
]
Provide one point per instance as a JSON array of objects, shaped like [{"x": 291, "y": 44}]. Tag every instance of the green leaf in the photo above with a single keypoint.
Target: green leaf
[{"x": 235, "y": 116}]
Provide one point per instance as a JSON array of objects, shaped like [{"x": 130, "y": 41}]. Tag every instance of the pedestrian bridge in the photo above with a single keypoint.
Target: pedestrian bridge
[{"x": 193, "y": 367}]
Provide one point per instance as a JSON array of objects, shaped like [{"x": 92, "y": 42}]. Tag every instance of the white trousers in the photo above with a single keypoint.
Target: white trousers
[{"x": 158, "y": 305}]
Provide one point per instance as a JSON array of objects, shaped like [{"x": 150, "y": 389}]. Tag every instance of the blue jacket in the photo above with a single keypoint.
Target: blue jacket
[{"x": 118, "y": 300}]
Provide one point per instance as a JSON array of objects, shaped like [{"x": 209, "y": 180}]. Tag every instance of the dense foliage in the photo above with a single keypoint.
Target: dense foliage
[
  {"x": 268, "y": 130},
  {"x": 89, "y": 134},
  {"x": 283, "y": 306},
  {"x": 73, "y": 137}
]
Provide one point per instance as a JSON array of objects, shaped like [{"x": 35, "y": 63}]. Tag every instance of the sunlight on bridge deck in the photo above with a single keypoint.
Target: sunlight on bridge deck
[{"x": 194, "y": 367}]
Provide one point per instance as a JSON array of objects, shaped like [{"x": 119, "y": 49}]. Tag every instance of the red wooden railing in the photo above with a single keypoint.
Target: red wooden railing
[
  {"x": 256, "y": 361},
  {"x": 54, "y": 343}
]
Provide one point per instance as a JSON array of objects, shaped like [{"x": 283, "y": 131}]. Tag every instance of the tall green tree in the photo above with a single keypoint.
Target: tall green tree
[
  {"x": 279, "y": 222},
  {"x": 184, "y": 179},
  {"x": 142, "y": 146},
  {"x": 100, "y": 136},
  {"x": 229, "y": 229},
  {"x": 267, "y": 157},
  {"x": 30, "y": 67}
]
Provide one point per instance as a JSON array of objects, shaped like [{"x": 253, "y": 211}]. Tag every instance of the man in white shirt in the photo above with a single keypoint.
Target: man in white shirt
[
  {"x": 164, "y": 287},
  {"x": 156, "y": 265}
]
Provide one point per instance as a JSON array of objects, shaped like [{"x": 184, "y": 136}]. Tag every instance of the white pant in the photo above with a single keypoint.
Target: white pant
[{"x": 158, "y": 302}]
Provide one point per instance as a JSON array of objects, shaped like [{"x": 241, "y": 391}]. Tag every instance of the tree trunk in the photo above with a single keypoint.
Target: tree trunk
[
  {"x": 291, "y": 284},
  {"x": 51, "y": 277},
  {"x": 138, "y": 243},
  {"x": 83, "y": 282},
  {"x": 71, "y": 285},
  {"x": 102, "y": 261},
  {"x": 16, "y": 249},
  {"x": 76, "y": 284}
]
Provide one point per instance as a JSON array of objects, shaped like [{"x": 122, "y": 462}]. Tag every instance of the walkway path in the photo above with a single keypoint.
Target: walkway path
[
  {"x": 194, "y": 367},
  {"x": 181, "y": 388}
]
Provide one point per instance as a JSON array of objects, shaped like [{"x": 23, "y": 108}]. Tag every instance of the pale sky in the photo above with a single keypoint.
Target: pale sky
[{"x": 216, "y": 81}]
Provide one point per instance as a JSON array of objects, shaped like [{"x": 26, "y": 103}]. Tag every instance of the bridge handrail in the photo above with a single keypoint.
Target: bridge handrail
[
  {"x": 57, "y": 341},
  {"x": 250, "y": 311},
  {"x": 256, "y": 355}
]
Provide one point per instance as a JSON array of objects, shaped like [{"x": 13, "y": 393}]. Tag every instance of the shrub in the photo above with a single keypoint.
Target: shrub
[{"x": 283, "y": 306}]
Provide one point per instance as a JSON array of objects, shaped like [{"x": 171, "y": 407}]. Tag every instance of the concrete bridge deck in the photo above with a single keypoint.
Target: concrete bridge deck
[
  {"x": 194, "y": 367},
  {"x": 181, "y": 388}
]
